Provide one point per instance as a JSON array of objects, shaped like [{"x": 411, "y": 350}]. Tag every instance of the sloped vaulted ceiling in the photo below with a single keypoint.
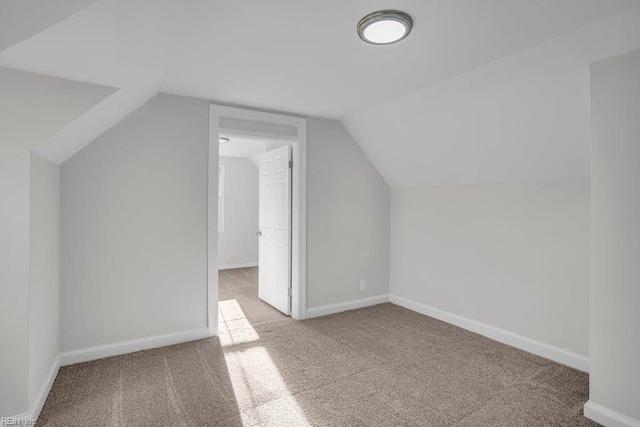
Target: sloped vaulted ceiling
[
  {"x": 299, "y": 57},
  {"x": 525, "y": 117},
  {"x": 33, "y": 107},
  {"x": 21, "y": 19}
]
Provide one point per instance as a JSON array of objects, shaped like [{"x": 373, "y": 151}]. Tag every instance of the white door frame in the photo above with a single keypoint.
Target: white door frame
[{"x": 270, "y": 126}]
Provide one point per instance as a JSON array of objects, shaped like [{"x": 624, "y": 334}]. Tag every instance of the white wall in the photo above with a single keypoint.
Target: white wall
[
  {"x": 32, "y": 108},
  {"x": 238, "y": 243},
  {"x": 615, "y": 235},
  {"x": 133, "y": 227},
  {"x": 44, "y": 272},
  {"x": 14, "y": 278},
  {"x": 514, "y": 256},
  {"x": 348, "y": 218}
]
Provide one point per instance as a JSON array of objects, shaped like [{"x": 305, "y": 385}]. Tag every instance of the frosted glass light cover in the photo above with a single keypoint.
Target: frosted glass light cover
[{"x": 383, "y": 32}]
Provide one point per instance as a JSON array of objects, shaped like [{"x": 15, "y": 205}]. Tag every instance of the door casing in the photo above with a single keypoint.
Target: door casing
[{"x": 265, "y": 126}]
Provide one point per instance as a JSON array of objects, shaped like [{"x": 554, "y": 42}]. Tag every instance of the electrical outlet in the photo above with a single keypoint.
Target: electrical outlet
[{"x": 363, "y": 285}]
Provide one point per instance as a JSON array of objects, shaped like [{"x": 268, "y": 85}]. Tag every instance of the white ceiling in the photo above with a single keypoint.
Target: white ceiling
[
  {"x": 242, "y": 147},
  {"x": 525, "y": 117},
  {"x": 27, "y": 98},
  {"x": 300, "y": 57},
  {"x": 21, "y": 19}
]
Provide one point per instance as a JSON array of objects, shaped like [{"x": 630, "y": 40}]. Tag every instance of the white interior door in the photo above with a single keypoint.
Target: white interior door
[{"x": 274, "y": 277}]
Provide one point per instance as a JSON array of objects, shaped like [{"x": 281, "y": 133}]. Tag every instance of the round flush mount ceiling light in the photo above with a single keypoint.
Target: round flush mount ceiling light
[
  {"x": 385, "y": 27},
  {"x": 223, "y": 140}
]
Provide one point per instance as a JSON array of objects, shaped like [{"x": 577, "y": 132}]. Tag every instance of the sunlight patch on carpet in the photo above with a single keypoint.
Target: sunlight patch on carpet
[
  {"x": 261, "y": 393},
  {"x": 234, "y": 328}
]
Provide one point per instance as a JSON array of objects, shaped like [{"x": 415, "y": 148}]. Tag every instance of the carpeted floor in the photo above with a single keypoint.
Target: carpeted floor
[{"x": 378, "y": 366}]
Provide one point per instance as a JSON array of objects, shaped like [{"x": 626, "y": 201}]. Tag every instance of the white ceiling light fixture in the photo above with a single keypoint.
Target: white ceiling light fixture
[
  {"x": 385, "y": 27},
  {"x": 223, "y": 140}
]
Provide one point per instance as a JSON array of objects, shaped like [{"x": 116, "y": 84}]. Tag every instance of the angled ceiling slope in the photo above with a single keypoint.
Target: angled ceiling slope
[
  {"x": 307, "y": 58},
  {"x": 21, "y": 19},
  {"x": 286, "y": 55},
  {"x": 34, "y": 107},
  {"x": 522, "y": 118}
]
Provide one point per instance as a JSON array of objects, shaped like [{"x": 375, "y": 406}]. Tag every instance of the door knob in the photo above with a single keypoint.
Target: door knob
[{"x": 259, "y": 233}]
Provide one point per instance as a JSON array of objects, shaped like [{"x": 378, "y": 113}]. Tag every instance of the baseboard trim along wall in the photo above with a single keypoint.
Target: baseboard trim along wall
[
  {"x": 99, "y": 352},
  {"x": 231, "y": 266},
  {"x": 608, "y": 417},
  {"x": 45, "y": 388},
  {"x": 592, "y": 410},
  {"x": 557, "y": 354},
  {"x": 124, "y": 347},
  {"x": 325, "y": 310}
]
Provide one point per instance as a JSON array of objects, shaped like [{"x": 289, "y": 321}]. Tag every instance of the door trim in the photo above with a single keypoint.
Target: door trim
[{"x": 265, "y": 125}]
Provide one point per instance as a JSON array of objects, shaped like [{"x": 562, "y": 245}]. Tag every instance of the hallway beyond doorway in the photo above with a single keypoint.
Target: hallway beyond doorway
[{"x": 241, "y": 285}]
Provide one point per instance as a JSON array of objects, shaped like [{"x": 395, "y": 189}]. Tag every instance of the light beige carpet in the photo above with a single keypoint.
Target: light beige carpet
[{"x": 378, "y": 366}]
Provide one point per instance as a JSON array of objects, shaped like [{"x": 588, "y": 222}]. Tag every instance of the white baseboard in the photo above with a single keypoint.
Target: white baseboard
[
  {"x": 557, "y": 354},
  {"x": 608, "y": 417},
  {"x": 124, "y": 347},
  {"x": 34, "y": 412},
  {"x": 45, "y": 388},
  {"x": 99, "y": 352},
  {"x": 325, "y": 310},
  {"x": 231, "y": 266}
]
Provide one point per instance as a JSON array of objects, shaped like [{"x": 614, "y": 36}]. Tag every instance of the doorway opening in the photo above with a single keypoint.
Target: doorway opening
[
  {"x": 254, "y": 227},
  {"x": 257, "y": 218}
]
